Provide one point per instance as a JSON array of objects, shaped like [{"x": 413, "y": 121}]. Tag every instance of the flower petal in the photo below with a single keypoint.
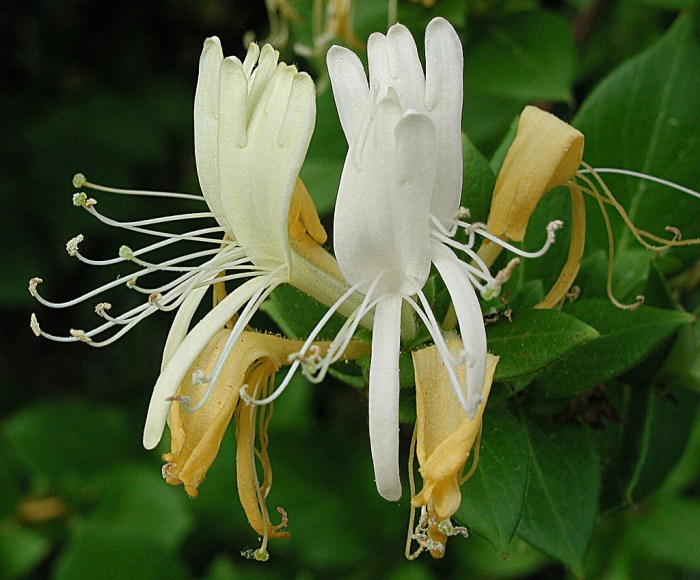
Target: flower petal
[
  {"x": 384, "y": 397},
  {"x": 171, "y": 377},
  {"x": 181, "y": 323},
  {"x": 444, "y": 70},
  {"x": 350, "y": 87},
  {"x": 470, "y": 318},
  {"x": 382, "y": 211},
  {"x": 206, "y": 122},
  {"x": 407, "y": 76},
  {"x": 259, "y": 172}
]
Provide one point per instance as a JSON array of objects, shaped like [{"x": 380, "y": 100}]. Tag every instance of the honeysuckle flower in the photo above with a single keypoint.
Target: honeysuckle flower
[
  {"x": 546, "y": 153},
  {"x": 398, "y": 210},
  {"x": 331, "y": 20},
  {"x": 196, "y": 437},
  {"x": 445, "y": 436},
  {"x": 253, "y": 122}
]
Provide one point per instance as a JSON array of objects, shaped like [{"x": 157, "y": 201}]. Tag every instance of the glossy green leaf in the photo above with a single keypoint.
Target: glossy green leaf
[
  {"x": 528, "y": 56},
  {"x": 65, "y": 440},
  {"x": 626, "y": 338},
  {"x": 642, "y": 118},
  {"x": 137, "y": 495},
  {"x": 21, "y": 550},
  {"x": 115, "y": 550},
  {"x": 535, "y": 339},
  {"x": 492, "y": 499},
  {"x": 478, "y": 182},
  {"x": 669, "y": 532},
  {"x": 640, "y": 450},
  {"x": 562, "y": 493}
]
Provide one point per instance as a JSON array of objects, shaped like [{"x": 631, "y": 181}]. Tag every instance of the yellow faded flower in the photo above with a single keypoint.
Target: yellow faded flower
[
  {"x": 546, "y": 153},
  {"x": 444, "y": 439},
  {"x": 196, "y": 436}
]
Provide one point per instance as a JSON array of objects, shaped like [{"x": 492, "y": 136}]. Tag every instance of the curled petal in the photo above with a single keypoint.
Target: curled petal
[{"x": 546, "y": 153}]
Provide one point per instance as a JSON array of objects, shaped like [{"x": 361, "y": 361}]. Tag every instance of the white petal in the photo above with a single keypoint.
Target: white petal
[
  {"x": 206, "y": 121},
  {"x": 407, "y": 75},
  {"x": 258, "y": 173},
  {"x": 175, "y": 371},
  {"x": 382, "y": 211},
  {"x": 384, "y": 397},
  {"x": 378, "y": 62},
  {"x": 350, "y": 88},
  {"x": 470, "y": 318},
  {"x": 443, "y": 97},
  {"x": 181, "y": 323}
]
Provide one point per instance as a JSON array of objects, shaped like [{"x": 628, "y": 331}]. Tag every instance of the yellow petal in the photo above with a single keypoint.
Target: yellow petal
[
  {"x": 445, "y": 435},
  {"x": 545, "y": 153},
  {"x": 196, "y": 437}
]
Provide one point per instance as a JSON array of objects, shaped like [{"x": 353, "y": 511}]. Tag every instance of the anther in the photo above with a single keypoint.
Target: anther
[
  {"x": 79, "y": 180},
  {"x": 552, "y": 227},
  {"x": 199, "y": 377},
  {"x": 72, "y": 244},
  {"x": 34, "y": 325},
  {"x": 131, "y": 282},
  {"x": 463, "y": 213},
  {"x": 80, "y": 335},
  {"x": 165, "y": 470},
  {"x": 81, "y": 199},
  {"x": 184, "y": 400},
  {"x": 102, "y": 308},
  {"x": 675, "y": 231},
  {"x": 33, "y": 283},
  {"x": 126, "y": 253},
  {"x": 154, "y": 299}
]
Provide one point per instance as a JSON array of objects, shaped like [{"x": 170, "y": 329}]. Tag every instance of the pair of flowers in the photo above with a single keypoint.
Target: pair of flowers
[{"x": 397, "y": 216}]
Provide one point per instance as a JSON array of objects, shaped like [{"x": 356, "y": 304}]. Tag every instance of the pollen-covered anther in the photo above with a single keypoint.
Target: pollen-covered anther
[
  {"x": 80, "y": 335},
  {"x": 677, "y": 235},
  {"x": 165, "y": 470},
  {"x": 126, "y": 253},
  {"x": 102, "y": 308},
  {"x": 72, "y": 244},
  {"x": 34, "y": 325},
  {"x": 154, "y": 299},
  {"x": 184, "y": 400},
  {"x": 199, "y": 377},
  {"x": 131, "y": 282},
  {"x": 81, "y": 199},
  {"x": 79, "y": 180},
  {"x": 552, "y": 227},
  {"x": 33, "y": 283},
  {"x": 463, "y": 213},
  {"x": 493, "y": 288}
]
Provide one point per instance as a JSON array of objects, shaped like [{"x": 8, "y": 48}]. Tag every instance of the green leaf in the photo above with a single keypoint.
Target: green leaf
[
  {"x": 670, "y": 532},
  {"x": 137, "y": 496},
  {"x": 66, "y": 440},
  {"x": 296, "y": 313},
  {"x": 562, "y": 493},
  {"x": 115, "y": 550},
  {"x": 641, "y": 118},
  {"x": 670, "y": 4},
  {"x": 492, "y": 499},
  {"x": 627, "y": 338},
  {"x": 20, "y": 550},
  {"x": 478, "y": 182},
  {"x": 535, "y": 339},
  {"x": 528, "y": 56},
  {"x": 641, "y": 451}
]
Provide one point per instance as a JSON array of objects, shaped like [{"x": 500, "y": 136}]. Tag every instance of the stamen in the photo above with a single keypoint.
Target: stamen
[
  {"x": 639, "y": 175},
  {"x": 494, "y": 287},
  {"x": 355, "y": 318},
  {"x": 80, "y": 335},
  {"x": 79, "y": 180},
  {"x": 34, "y": 325},
  {"x": 552, "y": 227},
  {"x": 266, "y": 287},
  {"x": 81, "y": 199},
  {"x": 33, "y": 283},
  {"x": 72, "y": 244}
]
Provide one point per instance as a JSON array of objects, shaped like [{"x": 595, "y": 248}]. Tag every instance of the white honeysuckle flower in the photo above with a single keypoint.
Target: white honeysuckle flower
[
  {"x": 398, "y": 210},
  {"x": 253, "y": 123}
]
